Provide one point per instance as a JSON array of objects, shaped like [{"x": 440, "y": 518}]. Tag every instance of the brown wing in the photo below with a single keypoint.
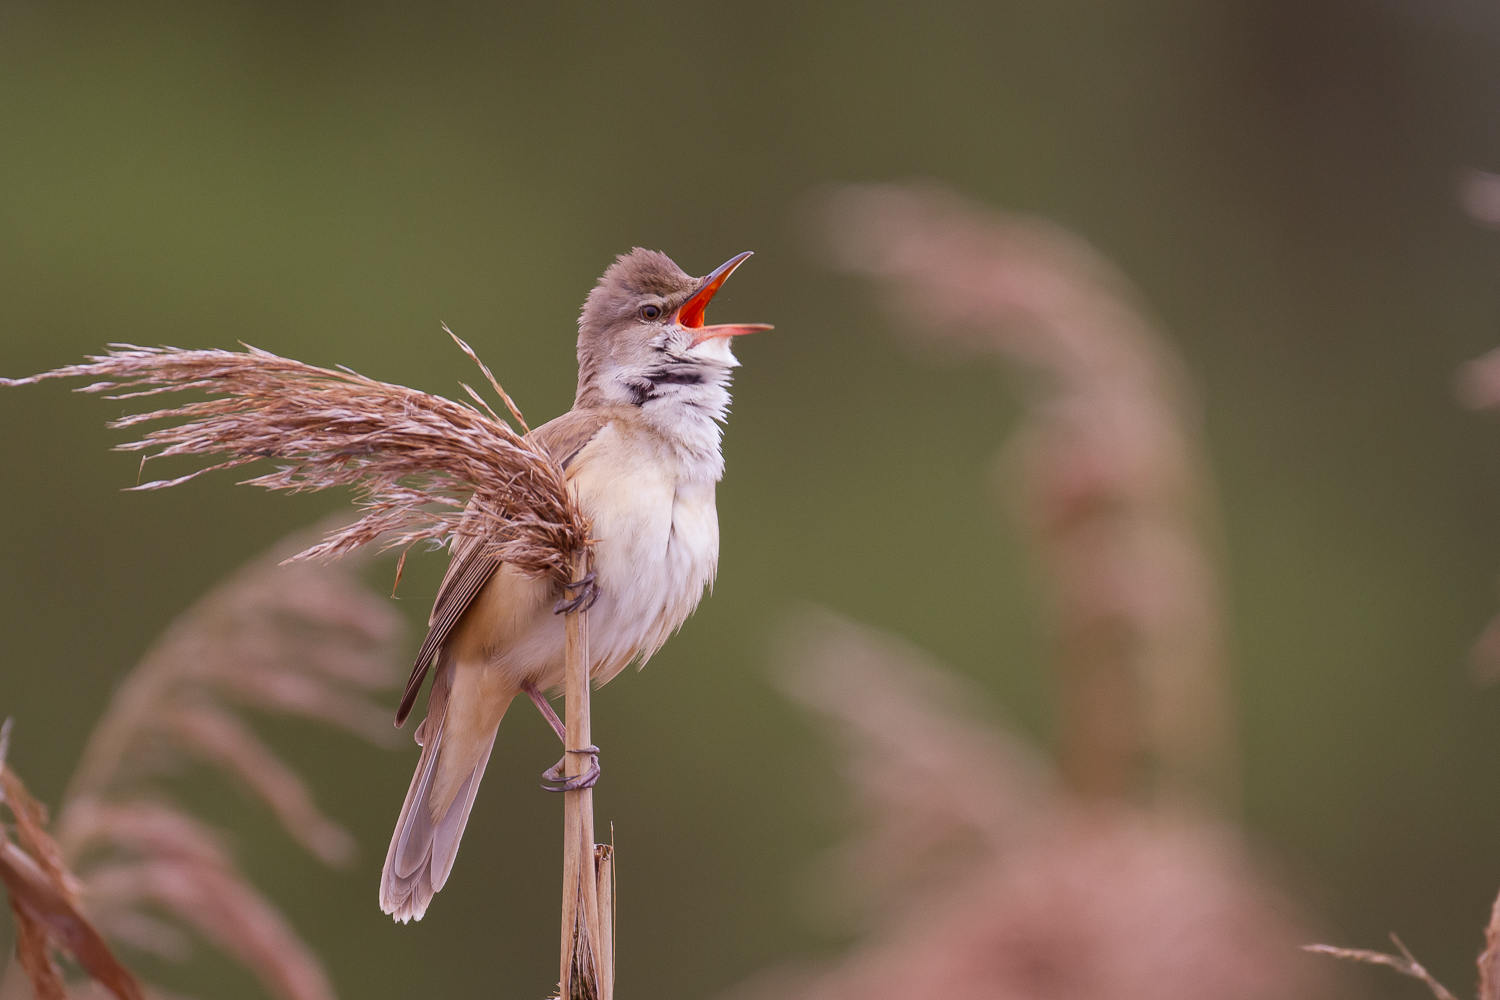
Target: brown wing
[
  {"x": 566, "y": 436},
  {"x": 471, "y": 568},
  {"x": 467, "y": 574}
]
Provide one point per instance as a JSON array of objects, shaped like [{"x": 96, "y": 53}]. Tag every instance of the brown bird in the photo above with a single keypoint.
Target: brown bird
[{"x": 641, "y": 447}]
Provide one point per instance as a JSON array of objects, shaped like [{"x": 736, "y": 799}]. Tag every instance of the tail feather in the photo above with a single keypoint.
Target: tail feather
[
  {"x": 423, "y": 847},
  {"x": 450, "y": 829},
  {"x": 412, "y": 840}
]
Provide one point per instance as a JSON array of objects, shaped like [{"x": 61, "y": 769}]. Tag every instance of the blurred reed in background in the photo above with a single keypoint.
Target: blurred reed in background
[
  {"x": 980, "y": 873},
  {"x": 303, "y": 639},
  {"x": 43, "y": 897},
  {"x": 1107, "y": 468},
  {"x": 976, "y": 873}
]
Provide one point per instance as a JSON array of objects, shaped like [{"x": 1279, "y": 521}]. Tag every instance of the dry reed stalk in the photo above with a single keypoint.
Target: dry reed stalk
[
  {"x": 604, "y": 873},
  {"x": 586, "y": 971},
  {"x": 1404, "y": 963},
  {"x": 1114, "y": 488},
  {"x": 44, "y": 899},
  {"x": 303, "y": 639},
  {"x": 978, "y": 877},
  {"x": 425, "y": 468}
]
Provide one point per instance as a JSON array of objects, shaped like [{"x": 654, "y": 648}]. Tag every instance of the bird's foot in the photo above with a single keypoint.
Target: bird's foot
[
  {"x": 588, "y": 588},
  {"x": 556, "y": 775}
]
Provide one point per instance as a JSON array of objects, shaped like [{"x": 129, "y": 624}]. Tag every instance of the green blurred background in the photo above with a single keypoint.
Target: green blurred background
[{"x": 331, "y": 181}]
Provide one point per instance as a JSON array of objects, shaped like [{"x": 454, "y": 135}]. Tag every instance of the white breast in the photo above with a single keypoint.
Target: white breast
[
  {"x": 657, "y": 548},
  {"x": 658, "y": 542}
]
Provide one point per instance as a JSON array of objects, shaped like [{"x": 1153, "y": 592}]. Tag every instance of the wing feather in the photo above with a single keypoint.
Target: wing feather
[
  {"x": 566, "y": 436},
  {"x": 470, "y": 569}
]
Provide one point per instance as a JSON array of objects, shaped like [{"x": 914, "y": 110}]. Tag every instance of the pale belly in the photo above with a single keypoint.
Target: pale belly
[{"x": 657, "y": 549}]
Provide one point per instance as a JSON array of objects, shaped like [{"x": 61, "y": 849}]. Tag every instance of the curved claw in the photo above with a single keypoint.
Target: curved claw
[
  {"x": 584, "y": 601},
  {"x": 558, "y": 781}
]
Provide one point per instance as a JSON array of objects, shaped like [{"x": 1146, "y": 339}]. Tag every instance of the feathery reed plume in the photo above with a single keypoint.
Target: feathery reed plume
[
  {"x": 425, "y": 468},
  {"x": 301, "y": 639},
  {"x": 1114, "y": 489},
  {"x": 983, "y": 878},
  {"x": 44, "y": 899}
]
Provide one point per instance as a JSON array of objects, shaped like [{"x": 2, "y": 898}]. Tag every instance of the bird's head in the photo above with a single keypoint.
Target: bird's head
[{"x": 642, "y": 339}]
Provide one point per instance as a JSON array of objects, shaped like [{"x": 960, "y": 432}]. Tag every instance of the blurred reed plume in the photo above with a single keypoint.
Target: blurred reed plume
[
  {"x": 44, "y": 901},
  {"x": 302, "y": 639},
  {"x": 983, "y": 874},
  {"x": 981, "y": 877},
  {"x": 425, "y": 468},
  {"x": 1479, "y": 389},
  {"x": 1112, "y": 482},
  {"x": 1479, "y": 196}
]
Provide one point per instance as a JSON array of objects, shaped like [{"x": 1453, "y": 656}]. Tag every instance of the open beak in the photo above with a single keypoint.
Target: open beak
[{"x": 690, "y": 313}]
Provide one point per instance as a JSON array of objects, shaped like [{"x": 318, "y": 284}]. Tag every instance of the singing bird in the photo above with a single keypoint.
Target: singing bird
[{"x": 641, "y": 446}]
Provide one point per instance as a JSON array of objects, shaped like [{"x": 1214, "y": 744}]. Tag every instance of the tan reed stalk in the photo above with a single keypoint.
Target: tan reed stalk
[
  {"x": 1405, "y": 963},
  {"x": 604, "y": 870},
  {"x": 580, "y": 975}
]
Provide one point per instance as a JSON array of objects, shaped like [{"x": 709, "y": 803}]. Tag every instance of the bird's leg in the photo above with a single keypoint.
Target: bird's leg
[
  {"x": 545, "y": 707},
  {"x": 589, "y": 588},
  {"x": 556, "y": 779}
]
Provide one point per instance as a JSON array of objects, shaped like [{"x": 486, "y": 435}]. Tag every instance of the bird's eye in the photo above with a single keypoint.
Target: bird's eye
[{"x": 650, "y": 312}]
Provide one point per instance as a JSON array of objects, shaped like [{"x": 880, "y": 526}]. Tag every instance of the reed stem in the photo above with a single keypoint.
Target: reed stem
[
  {"x": 587, "y": 971},
  {"x": 604, "y": 872}
]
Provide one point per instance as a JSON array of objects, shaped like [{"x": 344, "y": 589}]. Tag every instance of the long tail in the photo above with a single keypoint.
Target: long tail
[{"x": 427, "y": 834}]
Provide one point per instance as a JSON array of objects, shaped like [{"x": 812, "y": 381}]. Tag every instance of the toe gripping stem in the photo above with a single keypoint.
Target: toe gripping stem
[
  {"x": 556, "y": 776},
  {"x": 556, "y": 779},
  {"x": 588, "y": 588}
]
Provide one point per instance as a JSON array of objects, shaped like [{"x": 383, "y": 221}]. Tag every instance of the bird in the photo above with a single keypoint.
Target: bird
[{"x": 641, "y": 447}]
